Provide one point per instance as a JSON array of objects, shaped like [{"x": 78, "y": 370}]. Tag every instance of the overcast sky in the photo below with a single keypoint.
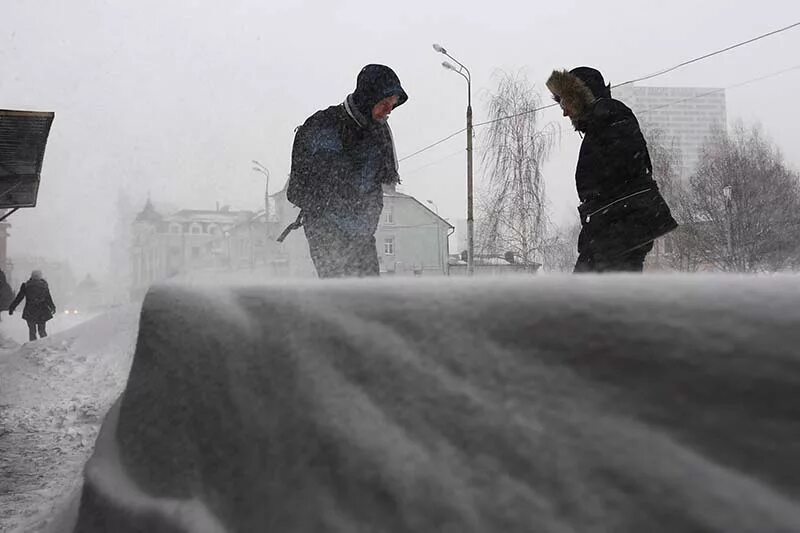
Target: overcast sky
[{"x": 176, "y": 98}]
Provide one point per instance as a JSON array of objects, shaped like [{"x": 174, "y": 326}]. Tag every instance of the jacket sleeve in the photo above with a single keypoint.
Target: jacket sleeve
[{"x": 18, "y": 299}]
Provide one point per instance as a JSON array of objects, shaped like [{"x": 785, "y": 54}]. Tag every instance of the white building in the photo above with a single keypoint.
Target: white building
[{"x": 685, "y": 116}]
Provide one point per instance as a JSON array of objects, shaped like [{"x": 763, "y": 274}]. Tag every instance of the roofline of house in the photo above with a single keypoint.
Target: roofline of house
[{"x": 431, "y": 211}]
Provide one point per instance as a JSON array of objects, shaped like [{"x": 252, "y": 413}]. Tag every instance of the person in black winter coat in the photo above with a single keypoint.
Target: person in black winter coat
[
  {"x": 622, "y": 211},
  {"x": 39, "y": 306},
  {"x": 6, "y": 292},
  {"x": 341, "y": 158}
]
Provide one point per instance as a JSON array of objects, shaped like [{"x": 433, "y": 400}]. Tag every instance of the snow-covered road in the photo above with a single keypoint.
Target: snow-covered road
[{"x": 53, "y": 395}]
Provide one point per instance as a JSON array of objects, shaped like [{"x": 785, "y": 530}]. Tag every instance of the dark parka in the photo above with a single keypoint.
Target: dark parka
[
  {"x": 621, "y": 207},
  {"x": 39, "y": 306},
  {"x": 6, "y": 292},
  {"x": 341, "y": 158}
]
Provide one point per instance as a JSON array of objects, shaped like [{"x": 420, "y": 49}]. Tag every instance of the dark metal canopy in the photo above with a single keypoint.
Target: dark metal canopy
[{"x": 23, "y": 137}]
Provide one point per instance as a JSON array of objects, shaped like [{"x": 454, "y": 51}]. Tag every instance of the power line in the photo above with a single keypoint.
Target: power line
[
  {"x": 643, "y": 78},
  {"x": 515, "y": 115},
  {"x": 711, "y": 54},
  {"x": 462, "y": 130},
  {"x": 448, "y": 156},
  {"x": 714, "y": 91}
]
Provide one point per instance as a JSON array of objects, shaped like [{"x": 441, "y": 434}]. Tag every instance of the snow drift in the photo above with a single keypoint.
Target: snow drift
[{"x": 613, "y": 403}]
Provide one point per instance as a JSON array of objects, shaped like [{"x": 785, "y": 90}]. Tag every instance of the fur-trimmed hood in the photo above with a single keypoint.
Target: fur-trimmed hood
[{"x": 571, "y": 90}]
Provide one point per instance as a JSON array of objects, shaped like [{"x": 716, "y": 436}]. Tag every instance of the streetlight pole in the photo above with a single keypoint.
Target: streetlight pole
[
  {"x": 464, "y": 72},
  {"x": 727, "y": 193}
]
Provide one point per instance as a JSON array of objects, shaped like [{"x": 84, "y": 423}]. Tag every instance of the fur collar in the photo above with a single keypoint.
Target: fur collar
[{"x": 571, "y": 90}]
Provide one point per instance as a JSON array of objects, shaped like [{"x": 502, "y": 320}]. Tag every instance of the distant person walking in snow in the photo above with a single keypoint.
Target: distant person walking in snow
[
  {"x": 341, "y": 158},
  {"x": 39, "y": 306},
  {"x": 622, "y": 211},
  {"x": 6, "y": 292}
]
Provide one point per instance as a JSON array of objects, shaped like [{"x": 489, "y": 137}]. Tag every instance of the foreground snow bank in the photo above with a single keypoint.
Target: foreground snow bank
[
  {"x": 53, "y": 395},
  {"x": 614, "y": 403}
]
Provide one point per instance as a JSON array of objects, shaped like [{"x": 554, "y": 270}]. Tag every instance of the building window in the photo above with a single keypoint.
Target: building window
[
  {"x": 388, "y": 246},
  {"x": 388, "y": 214},
  {"x": 213, "y": 229},
  {"x": 195, "y": 252},
  {"x": 196, "y": 229},
  {"x": 175, "y": 228}
]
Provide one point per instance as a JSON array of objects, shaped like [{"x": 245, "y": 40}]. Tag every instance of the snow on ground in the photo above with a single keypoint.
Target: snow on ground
[{"x": 54, "y": 393}]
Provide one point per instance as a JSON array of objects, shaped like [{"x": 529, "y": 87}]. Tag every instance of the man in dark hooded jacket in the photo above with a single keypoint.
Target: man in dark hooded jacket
[
  {"x": 39, "y": 306},
  {"x": 341, "y": 158},
  {"x": 622, "y": 211}
]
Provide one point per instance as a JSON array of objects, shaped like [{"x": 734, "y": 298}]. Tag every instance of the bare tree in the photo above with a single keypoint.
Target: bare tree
[
  {"x": 512, "y": 207},
  {"x": 559, "y": 252},
  {"x": 742, "y": 205}
]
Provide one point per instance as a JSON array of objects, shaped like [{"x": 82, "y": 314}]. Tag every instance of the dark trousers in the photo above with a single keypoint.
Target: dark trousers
[
  {"x": 339, "y": 255},
  {"x": 632, "y": 261},
  {"x": 33, "y": 326}
]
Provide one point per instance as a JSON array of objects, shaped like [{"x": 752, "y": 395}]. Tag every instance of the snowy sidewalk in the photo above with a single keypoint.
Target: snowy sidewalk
[{"x": 53, "y": 396}]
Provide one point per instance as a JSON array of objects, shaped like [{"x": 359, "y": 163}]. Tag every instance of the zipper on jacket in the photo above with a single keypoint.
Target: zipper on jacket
[{"x": 590, "y": 215}]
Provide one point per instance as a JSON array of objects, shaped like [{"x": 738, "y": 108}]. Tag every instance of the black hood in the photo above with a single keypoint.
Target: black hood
[
  {"x": 376, "y": 82},
  {"x": 593, "y": 79},
  {"x": 37, "y": 282}
]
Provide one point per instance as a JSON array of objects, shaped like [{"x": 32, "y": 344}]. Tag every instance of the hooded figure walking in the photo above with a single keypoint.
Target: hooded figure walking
[
  {"x": 39, "y": 306},
  {"x": 622, "y": 211},
  {"x": 341, "y": 158}
]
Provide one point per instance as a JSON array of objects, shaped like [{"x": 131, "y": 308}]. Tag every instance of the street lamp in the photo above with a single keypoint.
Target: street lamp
[
  {"x": 464, "y": 72},
  {"x": 258, "y": 167}
]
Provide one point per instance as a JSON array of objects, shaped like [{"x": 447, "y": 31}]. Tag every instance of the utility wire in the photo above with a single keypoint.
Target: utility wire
[
  {"x": 515, "y": 115},
  {"x": 643, "y": 78},
  {"x": 711, "y": 54},
  {"x": 462, "y": 130},
  {"x": 714, "y": 91},
  {"x": 448, "y": 156}
]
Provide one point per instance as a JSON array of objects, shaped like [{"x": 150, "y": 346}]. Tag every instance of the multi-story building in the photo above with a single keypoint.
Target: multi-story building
[
  {"x": 165, "y": 246},
  {"x": 684, "y": 117},
  {"x": 410, "y": 239}
]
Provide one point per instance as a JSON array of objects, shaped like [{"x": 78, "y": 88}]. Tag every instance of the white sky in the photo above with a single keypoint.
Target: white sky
[{"x": 177, "y": 98}]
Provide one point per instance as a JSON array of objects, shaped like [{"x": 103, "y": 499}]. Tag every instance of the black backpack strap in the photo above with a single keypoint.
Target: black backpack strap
[{"x": 297, "y": 224}]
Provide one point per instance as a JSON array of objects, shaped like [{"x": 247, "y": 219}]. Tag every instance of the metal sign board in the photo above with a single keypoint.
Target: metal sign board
[{"x": 23, "y": 138}]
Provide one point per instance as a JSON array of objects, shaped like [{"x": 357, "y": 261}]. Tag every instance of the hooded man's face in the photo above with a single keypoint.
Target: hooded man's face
[{"x": 382, "y": 110}]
